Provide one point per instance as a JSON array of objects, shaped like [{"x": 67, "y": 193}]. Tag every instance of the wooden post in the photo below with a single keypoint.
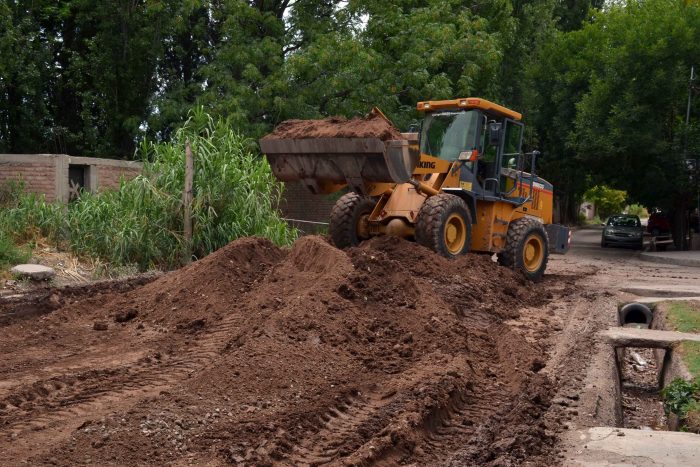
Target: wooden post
[{"x": 187, "y": 201}]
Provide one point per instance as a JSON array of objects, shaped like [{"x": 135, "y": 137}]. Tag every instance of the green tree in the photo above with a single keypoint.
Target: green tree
[
  {"x": 25, "y": 52},
  {"x": 607, "y": 200},
  {"x": 610, "y": 101},
  {"x": 629, "y": 125},
  {"x": 406, "y": 51}
]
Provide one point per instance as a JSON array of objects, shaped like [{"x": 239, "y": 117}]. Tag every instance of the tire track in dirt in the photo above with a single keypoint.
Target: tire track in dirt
[
  {"x": 97, "y": 392},
  {"x": 338, "y": 424},
  {"x": 50, "y": 406},
  {"x": 86, "y": 392},
  {"x": 326, "y": 357}
]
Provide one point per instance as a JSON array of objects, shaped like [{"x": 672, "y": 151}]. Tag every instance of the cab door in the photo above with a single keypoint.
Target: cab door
[{"x": 510, "y": 156}]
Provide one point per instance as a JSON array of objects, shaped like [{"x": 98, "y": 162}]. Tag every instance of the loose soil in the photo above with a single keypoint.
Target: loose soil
[
  {"x": 374, "y": 126},
  {"x": 382, "y": 354},
  {"x": 642, "y": 407}
]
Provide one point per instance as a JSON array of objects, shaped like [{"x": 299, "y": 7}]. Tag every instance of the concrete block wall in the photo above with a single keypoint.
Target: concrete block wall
[{"x": 48, "y": 173}]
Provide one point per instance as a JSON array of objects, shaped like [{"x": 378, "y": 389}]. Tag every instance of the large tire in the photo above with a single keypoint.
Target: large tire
[
  {"x": 348, "y": 220},
  {"x": 444, "y": 225},
  {"x": 527, "y": 248}
]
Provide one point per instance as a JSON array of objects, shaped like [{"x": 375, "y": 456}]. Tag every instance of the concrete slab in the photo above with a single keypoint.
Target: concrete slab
[
  {"x": 648, "y": 300},
  {"x": 36, "y": 272},
  {"x": 647, "y": 338},
  {"x": 680, "y": 258},
  {"x": 607, "y": 446},
  {"x": 668, "y": 290}
]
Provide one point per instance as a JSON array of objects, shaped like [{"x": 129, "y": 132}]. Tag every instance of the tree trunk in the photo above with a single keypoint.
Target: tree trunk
[{"x": 679, "y": 226}]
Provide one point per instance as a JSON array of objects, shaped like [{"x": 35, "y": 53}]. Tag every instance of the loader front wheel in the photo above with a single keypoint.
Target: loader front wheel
[
  {"x": 527, "y": 248},
  {"x": 348, "y": 225},
  {"x": 445, "y": 225}
]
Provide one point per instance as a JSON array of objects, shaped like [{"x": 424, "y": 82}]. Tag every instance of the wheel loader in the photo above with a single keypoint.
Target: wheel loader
[{"x": 459, "y": 184}]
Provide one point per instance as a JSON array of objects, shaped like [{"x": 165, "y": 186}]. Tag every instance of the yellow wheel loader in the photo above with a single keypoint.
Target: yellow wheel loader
[{"x": 457, "y": 185}]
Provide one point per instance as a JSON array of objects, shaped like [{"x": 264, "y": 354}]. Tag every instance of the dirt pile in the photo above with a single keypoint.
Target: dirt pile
[
  {"x": 373, "y": 126},
  {"x": 260, "y": 355}
]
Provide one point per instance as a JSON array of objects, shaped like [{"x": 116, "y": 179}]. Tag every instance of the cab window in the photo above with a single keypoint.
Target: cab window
[{"x": 511, "y": 144}]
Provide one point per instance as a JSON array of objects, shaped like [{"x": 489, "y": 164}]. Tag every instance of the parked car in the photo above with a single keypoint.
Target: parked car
[
  {"x": 623, "y": 229},
  {"x": 658, "y": 224}
]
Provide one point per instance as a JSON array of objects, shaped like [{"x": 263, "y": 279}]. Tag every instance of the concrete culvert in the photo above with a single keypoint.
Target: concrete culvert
[{"x": 636, "y": 314}]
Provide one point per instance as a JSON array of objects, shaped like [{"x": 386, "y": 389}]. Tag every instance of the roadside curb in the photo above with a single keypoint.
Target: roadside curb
[{"x": 671, "y": 258}]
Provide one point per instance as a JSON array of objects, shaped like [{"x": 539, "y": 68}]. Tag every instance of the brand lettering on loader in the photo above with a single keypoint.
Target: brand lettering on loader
[{"x": 426, "y": 165}]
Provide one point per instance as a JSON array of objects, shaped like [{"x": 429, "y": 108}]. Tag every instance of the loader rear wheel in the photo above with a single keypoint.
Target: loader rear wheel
[
  {"x": 348, "y": 225},
  {"x": 445, "y": 225},
  {"x": 527, "y": 248}
]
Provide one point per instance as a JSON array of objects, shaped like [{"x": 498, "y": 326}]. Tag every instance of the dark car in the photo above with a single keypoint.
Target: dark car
[
  {"x": 658, "y": 224},
  {"x": 623, "y": 229}
]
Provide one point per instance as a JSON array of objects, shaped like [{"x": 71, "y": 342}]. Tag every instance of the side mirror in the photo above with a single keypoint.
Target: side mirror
[{"x": 494, "y": 133}]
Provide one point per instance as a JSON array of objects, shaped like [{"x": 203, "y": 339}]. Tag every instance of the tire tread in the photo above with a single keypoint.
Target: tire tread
[
  {"x": 429, "y": 222},
  {"x": 517, "y": 231}
]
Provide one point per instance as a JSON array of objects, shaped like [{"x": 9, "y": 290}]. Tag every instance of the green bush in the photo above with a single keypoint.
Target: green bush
[
  {"x": 607, "y": 200},
  {"x": 680, "y": 395},
  {"x": 637, "y": 210},
  {"x": 235, "y": 195}
]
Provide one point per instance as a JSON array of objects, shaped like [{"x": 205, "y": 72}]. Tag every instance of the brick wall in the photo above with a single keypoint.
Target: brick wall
[
  {"x": 49, "y": 173},
  {"x": 109, "y": 177},
  {"x": 299, "y": 203},
  {"x": 38, "y": 177}
]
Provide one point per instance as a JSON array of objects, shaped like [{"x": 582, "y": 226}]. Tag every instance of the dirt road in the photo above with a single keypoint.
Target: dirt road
[{"x": 385, "y": 354}]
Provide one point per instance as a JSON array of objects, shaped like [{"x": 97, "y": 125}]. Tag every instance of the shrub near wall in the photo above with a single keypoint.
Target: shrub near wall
[{"x": 235, "y": 195}]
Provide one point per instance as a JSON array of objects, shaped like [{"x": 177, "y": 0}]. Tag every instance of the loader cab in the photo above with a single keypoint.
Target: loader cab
[
  {"x": 500, "y": 159},
  {"x": 451, "y": 135},
  {"x": 484, "y": 136}
]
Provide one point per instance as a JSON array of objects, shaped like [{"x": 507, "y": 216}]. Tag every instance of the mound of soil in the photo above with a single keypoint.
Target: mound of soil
[
  {"x": 373, "y": 126},
  {"x": 261, "y": 355}
]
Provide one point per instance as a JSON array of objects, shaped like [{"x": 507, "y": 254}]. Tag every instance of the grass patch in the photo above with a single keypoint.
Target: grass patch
[
  {"x": 684, "y": 316},
  {"x": 10, "y": 254},
  {"x": 690, "y": 352}
]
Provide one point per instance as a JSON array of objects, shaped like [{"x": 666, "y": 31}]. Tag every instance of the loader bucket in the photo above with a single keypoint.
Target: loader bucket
[{"x": 324, "y": 165}]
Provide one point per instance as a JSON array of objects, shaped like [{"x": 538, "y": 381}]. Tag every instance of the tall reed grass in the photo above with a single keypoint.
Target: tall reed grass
[{"x": 235, "y": 195}]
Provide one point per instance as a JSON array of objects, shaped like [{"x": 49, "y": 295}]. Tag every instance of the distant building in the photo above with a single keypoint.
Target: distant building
[
  {"x": 588, "y": 210},
  {"x": 61, "y": 177}
]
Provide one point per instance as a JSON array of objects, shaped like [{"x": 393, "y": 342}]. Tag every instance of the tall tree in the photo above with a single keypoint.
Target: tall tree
[
  {"x": 612, "y": 99},
  {"x": 25, "y": 76}
]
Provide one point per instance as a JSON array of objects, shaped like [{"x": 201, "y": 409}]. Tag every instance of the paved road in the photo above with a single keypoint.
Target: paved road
[
  {"x": 586, "y": 242},
  {"x": 610, "y": 276},
  {"x": 618, "y": 267}
]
